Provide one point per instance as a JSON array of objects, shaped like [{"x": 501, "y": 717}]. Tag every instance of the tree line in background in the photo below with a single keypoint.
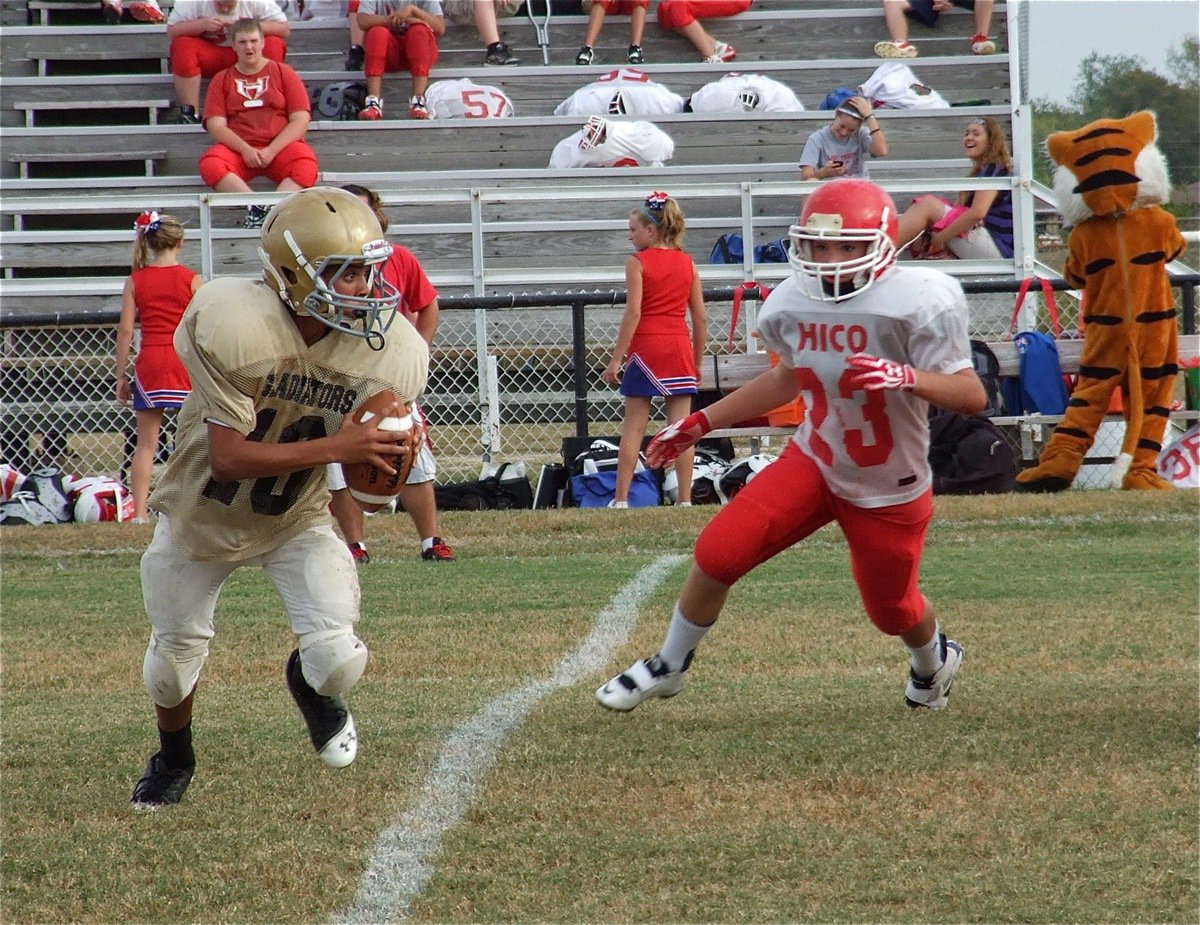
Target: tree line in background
[{"x": 1112, "y": 86}]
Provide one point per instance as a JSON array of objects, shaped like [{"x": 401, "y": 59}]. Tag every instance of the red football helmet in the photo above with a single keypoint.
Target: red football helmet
[{"x": 845, "y": 210}]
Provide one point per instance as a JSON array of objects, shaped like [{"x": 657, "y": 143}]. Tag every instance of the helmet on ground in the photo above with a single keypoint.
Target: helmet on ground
[
  {"x": 595, "y": 132},
  {"x": 748, "y": 99},
  {"x": 707, "y": 470},
  {"x": 311, "y": 239},
  {"x": 100, "y": 499},
  {"x": 742, "y": 472},
  {"x": 844, "y": 210}
]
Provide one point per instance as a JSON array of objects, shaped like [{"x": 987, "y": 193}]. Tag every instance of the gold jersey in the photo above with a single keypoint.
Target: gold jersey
[{"x": 252, "y": 371}]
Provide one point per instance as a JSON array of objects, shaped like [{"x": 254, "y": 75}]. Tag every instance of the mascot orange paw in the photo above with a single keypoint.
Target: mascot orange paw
[
  {"x": 1055, "y": 471},
  {"x": 1145, "y": 479}
]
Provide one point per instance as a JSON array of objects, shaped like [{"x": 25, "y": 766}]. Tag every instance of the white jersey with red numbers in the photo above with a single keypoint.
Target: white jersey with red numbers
[
  {"x": 465, "y": 99},
  {"x": 252, "y": 371},
  {"x": 895, "y": 86},
  {"x": 871, "y": 446},
  {"x": 628, "y": 144},
  {"x": 626, "y": 91},
  {"x": 745, "y": 93}
]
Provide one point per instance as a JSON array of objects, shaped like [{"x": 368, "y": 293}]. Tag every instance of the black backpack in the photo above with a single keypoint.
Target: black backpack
[
  {"x": 340, "y": 101},
  {"x": 500, "y": 492},
  {"x": 987, "y": 367},
  {"x": 970, "y": 456}
]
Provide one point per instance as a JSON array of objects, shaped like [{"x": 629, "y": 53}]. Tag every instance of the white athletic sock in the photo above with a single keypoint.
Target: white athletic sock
[
  {"x": 427, "y": 543},
  {"x": 682, "y": 638},
  {"x": 928, "y": 658}
]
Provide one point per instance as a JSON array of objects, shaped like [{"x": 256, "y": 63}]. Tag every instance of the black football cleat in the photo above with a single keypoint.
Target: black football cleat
[
  {"x": 160, "y": 785},
  {"x": 330, "y": 725}
]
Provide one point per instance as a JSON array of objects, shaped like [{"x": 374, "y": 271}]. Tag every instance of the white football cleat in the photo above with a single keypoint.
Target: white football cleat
[
  {"x": 933, "y": 693},
  {"x": 643, "y": 679},
  {"x": 342, "y": 749},
  {"x": 330, "y": 723}
]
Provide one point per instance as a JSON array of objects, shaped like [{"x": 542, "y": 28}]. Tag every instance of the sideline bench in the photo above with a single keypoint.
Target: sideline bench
[{"x": 729, "y": 371}]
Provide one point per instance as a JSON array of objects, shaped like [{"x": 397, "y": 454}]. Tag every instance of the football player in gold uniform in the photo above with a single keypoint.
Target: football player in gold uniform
[{"x": 278, "y": 366}]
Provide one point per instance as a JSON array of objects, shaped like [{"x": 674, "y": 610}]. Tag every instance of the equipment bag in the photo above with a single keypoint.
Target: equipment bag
[
  {"x": 507, "y": 489},
  {"x": 598, "y": 489},
  {"x": 969, "y": 456},
  {"x": 987, "y": 367},
  {"x": 728, "y": 249},
  {"x": 594, "y": 478},
  {"x": 341, "y": 101},
  {"x": 1040, "y": 386}
]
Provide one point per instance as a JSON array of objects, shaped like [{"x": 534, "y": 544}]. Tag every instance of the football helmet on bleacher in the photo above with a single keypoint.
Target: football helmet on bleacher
[
  {"x": 313, "y": 237},
  {"x": 846, "y": 210}
]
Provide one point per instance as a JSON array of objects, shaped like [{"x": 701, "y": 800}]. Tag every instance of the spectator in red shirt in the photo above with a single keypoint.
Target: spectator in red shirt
[
  {"x": 201, "y": 42},
  {"x": 257, "y": 111}
]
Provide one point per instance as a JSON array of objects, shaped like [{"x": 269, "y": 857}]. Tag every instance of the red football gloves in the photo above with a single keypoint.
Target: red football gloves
[
  {"x": 669, "y": 442},
  {"x": 872, "y": 373}
]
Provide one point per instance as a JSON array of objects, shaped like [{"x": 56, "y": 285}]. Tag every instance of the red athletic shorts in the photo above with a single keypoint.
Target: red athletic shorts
[
  {"x": 675, "y": 14},
  {"x": 193, "y": 56},
  {"x": 788, "y": 501},
  {"x": 297, "y": 161},
  {"x": 414, "y": 50}
]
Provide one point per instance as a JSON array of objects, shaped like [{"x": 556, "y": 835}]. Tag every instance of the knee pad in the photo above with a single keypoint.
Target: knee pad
[
  {"x": 332, "y": 661},
  {"x": 170, "y": 676}
]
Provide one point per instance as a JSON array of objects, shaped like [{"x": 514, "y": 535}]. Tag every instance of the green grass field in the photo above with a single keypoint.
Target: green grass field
[{"x": 787, "y": 782}]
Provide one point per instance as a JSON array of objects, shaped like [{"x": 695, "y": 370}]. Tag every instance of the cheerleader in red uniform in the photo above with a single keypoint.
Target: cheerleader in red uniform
[
  {"x": 156, "y": 294},
  {"x": 660, "y": 354}
]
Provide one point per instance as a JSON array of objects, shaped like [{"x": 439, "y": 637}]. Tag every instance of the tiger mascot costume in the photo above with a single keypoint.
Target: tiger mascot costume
[{"x": 1109, "y": 179}]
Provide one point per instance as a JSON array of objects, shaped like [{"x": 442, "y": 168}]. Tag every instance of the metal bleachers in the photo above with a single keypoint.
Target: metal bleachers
[{"x": 86, "y": 147}]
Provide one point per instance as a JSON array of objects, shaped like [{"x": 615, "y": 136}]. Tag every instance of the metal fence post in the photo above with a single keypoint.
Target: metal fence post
[{"x": 580, "y": 361}]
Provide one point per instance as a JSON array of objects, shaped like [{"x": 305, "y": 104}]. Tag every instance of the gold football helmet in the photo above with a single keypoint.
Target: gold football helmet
[{"x": 309, "y": 240}]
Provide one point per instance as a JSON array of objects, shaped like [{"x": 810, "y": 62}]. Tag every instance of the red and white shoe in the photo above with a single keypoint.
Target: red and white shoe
[
  {"x": 372, "y": 110},
  {"x": 418, "y": 108},
  {"x": 723, "y": 53},
  {"x": 982, "y": 45},
  {"x": 147, "y": 11}
]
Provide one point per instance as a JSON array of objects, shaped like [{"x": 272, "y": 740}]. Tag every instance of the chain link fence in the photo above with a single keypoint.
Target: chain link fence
[{"x": 510, "y": 378}]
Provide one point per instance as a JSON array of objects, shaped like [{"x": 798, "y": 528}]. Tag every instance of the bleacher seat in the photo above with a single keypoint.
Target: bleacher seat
[{"x": 114, "y": 82}]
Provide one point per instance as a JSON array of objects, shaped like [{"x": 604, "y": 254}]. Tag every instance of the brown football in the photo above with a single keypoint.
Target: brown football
[{"x": 368, "y": 483}]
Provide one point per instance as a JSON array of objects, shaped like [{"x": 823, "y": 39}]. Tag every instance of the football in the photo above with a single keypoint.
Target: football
[{"x": 369, "y": 484}]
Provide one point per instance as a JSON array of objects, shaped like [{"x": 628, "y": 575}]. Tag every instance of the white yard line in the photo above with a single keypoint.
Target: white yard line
[{"x": 401, "y": 862}]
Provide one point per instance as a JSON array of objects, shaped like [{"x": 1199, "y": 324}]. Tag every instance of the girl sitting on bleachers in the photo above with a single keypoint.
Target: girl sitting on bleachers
[{"x": 980, "y": 225}]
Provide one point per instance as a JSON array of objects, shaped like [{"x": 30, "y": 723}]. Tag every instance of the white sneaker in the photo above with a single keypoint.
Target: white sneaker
[
  {"x": 643, "y": 679},
  {"x": 895, "y": 50},
  {"x": 982, "y": 45},
  {"x": 342, "y": 749},
  {"x": 933, "y": 693},
  {"x": 723, "y": 53}
]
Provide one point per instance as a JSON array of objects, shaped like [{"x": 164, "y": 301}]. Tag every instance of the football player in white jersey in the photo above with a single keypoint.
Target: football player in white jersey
[
  {"x": 625, "y": 91},
  {"x": 606, "y": 143},
  {"x": 278, "y": 367},
  {"x": 465, "y": 99},
  {"x": 869, "y": 346},
  {"x": 744, "y": 93}
]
